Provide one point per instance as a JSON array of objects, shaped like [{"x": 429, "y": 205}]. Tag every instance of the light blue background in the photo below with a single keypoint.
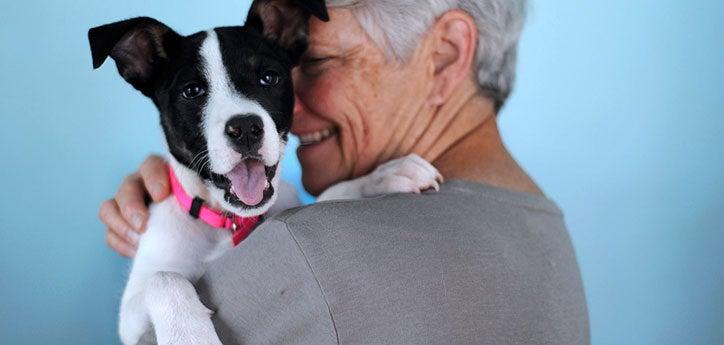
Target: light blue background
[{"x": 618, "y": 114}]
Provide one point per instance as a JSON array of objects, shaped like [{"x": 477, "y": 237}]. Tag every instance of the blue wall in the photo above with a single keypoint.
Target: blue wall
[{"x": 618, "y": 113}]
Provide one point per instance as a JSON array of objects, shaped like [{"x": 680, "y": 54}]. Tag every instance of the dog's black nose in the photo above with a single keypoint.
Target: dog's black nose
[{"x": 246, "y": 133}]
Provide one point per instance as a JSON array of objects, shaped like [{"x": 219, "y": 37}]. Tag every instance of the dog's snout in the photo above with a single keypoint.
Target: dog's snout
[{"x": 245, "y": 132}]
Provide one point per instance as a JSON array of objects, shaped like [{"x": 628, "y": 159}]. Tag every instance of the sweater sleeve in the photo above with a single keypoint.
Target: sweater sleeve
[{"x": 264, "y": 292}]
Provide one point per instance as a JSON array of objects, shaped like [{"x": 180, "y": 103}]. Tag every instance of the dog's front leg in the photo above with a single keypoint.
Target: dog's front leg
[
  {"x": 133, "y": 321},
  {"x": 409, "y": 174},
  {"x": 168, "y": 302},
  {"x": 176, "y": 312},
  {"x": 163, "y": 302}
]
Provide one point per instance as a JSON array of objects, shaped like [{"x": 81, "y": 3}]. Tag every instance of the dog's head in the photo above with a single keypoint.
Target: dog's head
[{"x": 225, "y": 95}]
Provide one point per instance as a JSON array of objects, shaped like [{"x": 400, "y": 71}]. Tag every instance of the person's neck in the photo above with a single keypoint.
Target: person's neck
[{"x": 469, "y": 146}]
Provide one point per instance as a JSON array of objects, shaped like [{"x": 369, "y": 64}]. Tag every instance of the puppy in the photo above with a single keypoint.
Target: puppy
[{"x": 225, "y": 98}]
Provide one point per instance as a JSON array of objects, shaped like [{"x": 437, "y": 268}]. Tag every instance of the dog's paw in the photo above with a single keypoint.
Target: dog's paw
[
  {"x": 409, "y": 174},
  {"x": 199, "y": 331}
]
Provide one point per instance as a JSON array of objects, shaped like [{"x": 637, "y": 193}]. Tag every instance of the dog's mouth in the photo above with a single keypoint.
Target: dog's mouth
[{"x": 250, "y": 183}]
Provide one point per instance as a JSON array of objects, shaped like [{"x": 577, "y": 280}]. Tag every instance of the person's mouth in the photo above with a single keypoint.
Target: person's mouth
[{"x": 312, "y": 138}]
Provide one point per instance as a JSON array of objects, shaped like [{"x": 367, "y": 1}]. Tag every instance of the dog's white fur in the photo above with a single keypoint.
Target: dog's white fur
[
  {"x": 175, "y": 250},
  {"x": 223, "y": 103}
]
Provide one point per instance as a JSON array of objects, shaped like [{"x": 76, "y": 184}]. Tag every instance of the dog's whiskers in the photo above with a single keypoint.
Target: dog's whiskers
[
  {"x": 204, "y": 165},
  {"x": 199, "y": 155},
  {"x": 199, "y": 161}
]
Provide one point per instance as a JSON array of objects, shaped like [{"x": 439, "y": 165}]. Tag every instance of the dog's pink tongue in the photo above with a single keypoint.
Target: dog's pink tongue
[{"x": 248, "y": 180}]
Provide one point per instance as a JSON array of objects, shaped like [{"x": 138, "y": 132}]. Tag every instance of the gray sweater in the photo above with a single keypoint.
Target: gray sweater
[{"x": 471, "y": 264}]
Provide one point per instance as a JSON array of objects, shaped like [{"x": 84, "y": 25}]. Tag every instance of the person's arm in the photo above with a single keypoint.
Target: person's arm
[{"x": 125, "y": 215}]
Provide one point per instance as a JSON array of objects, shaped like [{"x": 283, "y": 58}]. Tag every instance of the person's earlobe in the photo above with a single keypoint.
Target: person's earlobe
[{"x": 454, "y": 43}]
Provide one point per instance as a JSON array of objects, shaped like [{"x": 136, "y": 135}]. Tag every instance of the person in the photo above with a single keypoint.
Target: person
[{"x": 486, "y": 260}]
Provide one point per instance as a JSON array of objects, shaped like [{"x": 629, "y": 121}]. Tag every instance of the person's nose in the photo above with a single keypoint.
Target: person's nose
[{"x": 298, "y": 106}]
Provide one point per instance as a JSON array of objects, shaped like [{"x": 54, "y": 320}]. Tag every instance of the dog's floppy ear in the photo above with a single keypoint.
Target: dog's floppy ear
[
  {"x": 286, "y": 22},
  {"x": 139, "y": 46}
]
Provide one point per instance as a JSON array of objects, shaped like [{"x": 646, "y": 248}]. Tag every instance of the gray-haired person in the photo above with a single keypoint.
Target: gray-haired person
[{"x": 486, "y": 260}]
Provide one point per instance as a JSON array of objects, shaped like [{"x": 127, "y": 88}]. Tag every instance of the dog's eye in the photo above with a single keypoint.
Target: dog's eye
[
  {"x": 269, "y": 78},
  {"x": 193, "y": 91}
]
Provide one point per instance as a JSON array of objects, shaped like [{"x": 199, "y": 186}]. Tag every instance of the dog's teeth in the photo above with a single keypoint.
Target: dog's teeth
[{"x": 266, "y": 186}]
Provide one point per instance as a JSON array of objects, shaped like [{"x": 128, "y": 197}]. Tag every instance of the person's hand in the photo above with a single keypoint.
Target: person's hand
[{"x": 126, "y": 214}]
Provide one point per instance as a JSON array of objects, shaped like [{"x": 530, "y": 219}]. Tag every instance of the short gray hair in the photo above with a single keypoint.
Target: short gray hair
[{"x": 398, "y": 26}]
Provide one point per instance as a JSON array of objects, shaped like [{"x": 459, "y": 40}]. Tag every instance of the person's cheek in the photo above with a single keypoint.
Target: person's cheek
[{"x": 358, "y": 139}]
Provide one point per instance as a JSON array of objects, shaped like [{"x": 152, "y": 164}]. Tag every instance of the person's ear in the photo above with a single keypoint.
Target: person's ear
[
  {"x": 139, "y": 46},
  {"x": 286, "y": 22},
  {"x": 454, "y": 41}
]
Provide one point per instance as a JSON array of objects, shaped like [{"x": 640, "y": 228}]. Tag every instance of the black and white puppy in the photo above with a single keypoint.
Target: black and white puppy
[{"x": 225, "y": 97}]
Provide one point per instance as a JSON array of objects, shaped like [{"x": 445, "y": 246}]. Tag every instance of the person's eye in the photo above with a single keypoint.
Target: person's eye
[
  {"x": 313, "y": 66},
  {"x": 193, "y": 91},
  {"x": 269, "y": 78}
]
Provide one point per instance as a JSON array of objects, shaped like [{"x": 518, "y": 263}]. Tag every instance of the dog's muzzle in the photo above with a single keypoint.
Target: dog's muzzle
[{"x": 245, "y": 133}]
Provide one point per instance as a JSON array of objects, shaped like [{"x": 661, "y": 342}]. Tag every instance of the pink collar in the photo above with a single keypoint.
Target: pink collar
[{"x": 240, "y": 227}]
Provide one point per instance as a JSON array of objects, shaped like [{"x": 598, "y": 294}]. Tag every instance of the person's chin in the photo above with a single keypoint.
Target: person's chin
[
  {"x": 316, "y": 182},
  {"x": 318, "y": 175},
  {"x": 321, "y": 162}
]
